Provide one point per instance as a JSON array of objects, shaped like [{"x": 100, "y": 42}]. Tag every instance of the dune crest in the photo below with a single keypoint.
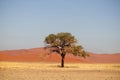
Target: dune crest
[{"x": 41, "y": 55}]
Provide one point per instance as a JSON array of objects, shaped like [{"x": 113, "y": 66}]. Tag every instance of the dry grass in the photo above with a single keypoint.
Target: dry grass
[{"x": 52, "y": 71}]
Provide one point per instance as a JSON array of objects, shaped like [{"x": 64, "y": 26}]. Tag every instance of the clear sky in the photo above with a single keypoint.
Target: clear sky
[{"x": 95, "y": 23}]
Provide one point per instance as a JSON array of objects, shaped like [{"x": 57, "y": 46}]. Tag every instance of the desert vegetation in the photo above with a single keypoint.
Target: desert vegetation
[
  {"x": 53, "y": 71},
  {"x": 64, "y": 43}
]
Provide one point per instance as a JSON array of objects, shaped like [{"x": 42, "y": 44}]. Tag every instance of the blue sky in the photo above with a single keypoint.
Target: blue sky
[{"x": 95, "y": 23}]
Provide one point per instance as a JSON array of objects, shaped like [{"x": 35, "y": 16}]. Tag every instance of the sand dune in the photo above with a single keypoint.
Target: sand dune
[{"x": 41, "y": 55}]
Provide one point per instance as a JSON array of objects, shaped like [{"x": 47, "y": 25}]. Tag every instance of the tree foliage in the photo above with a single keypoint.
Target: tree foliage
[{"x": 64, "y": 43}]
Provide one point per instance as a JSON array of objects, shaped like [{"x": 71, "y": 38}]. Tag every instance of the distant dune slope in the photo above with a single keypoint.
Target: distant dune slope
[{"x": 41, "y": 55}]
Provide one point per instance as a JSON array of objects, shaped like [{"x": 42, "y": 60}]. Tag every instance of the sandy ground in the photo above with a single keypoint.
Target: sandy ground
[
  {"x": 38, "y": 74},
  {"x": 52, "y": 71}
]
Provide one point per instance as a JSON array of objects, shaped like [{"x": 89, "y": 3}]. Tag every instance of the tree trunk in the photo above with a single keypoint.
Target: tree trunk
[{"x": 62, "y": 62}]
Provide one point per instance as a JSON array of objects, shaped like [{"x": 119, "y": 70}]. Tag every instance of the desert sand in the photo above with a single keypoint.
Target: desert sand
[
  {"x": 53, "y": 71},
  {"x": 37, "y": 64},
  {"x": 41, "y": 55}
]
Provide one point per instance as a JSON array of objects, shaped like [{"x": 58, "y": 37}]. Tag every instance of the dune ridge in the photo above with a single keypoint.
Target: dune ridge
[{"x": 41, "y": 55}]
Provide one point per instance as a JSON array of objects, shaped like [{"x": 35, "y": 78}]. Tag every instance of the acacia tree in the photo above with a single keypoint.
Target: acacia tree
[{"x": 64, "y": 43}]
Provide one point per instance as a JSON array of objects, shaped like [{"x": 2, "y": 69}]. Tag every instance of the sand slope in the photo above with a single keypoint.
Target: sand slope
[{"x": 41, "y": 55}]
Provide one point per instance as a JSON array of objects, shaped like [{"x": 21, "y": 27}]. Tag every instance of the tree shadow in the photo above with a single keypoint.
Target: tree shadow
[
  {"x": 66, "y": 66},
  {"x": 59, "y": 66}
]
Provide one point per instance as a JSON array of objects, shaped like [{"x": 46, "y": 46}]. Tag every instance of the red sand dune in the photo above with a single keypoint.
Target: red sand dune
[
  {"x": 41, "y": 55},
  {"x": 104, "y": 58}
]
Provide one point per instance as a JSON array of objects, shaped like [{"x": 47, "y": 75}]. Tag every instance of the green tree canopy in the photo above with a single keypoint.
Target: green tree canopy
[{"x": 64, "y": 43}]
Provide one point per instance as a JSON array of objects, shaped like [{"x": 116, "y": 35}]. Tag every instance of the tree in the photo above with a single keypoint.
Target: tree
[{"x": 64, "y": 43}]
